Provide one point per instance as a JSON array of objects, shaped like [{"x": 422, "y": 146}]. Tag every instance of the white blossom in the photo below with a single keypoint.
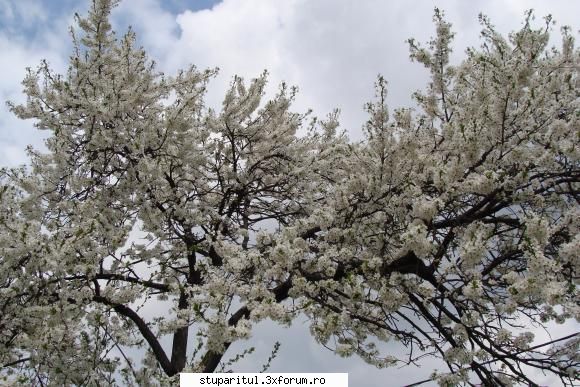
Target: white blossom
[{"x": 438, "y": 231}]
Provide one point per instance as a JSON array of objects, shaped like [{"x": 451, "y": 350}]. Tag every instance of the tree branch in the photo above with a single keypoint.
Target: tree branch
[{"x": 145, "y": 331}]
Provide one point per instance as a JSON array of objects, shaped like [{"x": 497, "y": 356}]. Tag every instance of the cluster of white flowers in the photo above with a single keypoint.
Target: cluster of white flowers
[
  {"x": 473, "y": 246},
  {"x": 458, "y": 355},
  {"x": 449, "y": 379},
  {"x": 415, "y": 239},
  {"x": 440, "y": 228}
]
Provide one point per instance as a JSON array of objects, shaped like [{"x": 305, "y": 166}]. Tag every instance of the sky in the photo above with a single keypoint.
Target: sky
[{"x": 332, "y": 50}]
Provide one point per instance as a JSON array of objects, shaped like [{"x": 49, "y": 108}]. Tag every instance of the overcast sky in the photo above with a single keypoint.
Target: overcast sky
[{"x": 332, "y": 50}]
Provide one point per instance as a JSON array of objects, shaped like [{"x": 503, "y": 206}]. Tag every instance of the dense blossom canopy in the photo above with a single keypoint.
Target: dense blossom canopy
[{"x": 451, "y": 228}]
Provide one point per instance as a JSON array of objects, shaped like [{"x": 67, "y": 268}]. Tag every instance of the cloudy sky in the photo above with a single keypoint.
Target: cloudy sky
[{"x": 331, "y": 49}]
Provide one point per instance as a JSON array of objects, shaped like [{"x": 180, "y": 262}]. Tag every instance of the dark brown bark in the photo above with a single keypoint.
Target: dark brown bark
[{"x": 145, "y": 331}]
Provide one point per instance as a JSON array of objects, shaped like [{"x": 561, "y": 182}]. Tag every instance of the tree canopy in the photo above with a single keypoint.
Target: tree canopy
[{"x": 452, "y": 228}]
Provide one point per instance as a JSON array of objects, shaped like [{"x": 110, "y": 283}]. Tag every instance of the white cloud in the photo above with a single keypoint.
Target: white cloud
[
  {"x": 332, "y": 49},
  {"x": 26, "y": 11},
  {"x": 155, "y": 27},
  {"x": 15, "y": 134}
]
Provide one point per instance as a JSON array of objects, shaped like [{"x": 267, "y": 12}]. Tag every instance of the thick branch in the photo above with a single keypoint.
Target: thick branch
[{"x": 145, "y": 331}]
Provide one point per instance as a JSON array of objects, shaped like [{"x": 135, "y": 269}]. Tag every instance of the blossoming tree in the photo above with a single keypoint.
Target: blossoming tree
[{"x": 451, "y": 228}]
